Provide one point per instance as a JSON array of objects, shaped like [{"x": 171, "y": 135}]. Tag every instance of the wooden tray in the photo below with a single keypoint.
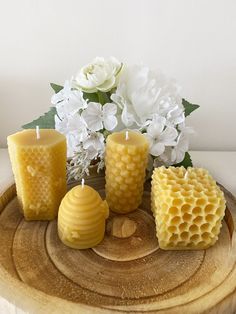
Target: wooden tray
[{"x": 127, "y": 272}]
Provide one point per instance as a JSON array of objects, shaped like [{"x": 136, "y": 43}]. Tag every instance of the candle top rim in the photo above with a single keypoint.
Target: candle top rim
[
  {"x": 134, "y": 139},
  {"x": 28, "y": 137}
]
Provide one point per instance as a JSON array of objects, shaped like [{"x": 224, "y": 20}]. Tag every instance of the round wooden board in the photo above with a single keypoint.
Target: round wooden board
[{"x": 127, "y": 272}]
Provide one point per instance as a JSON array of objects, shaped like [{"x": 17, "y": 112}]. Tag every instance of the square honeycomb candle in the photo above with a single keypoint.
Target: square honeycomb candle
[
  {"x": 188, "y": 208},
  {"x": 126, "y": 161},
  {"x": 39, "y": 167}
]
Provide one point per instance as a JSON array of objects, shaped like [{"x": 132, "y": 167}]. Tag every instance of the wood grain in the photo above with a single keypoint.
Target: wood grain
[{"x": 127, "y": 272}]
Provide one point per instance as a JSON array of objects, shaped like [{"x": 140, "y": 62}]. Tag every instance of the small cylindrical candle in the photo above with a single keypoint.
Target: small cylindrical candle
[
  {"x": 81, "y": 217},
  {"x": 126, "y": 160},
  {"x": 38, "y": 160}
]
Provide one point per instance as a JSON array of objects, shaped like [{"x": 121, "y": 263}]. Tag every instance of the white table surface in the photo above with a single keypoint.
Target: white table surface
[{"x": 222, "y": 166}]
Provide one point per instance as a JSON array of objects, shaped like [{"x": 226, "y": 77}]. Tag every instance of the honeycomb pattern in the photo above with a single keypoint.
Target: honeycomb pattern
[
  {"x": 126, "y": 163},
  {"x": 40, "y": 174},
  {"x": 81, "y": 218},
  {"x": 188, "y": 208}
]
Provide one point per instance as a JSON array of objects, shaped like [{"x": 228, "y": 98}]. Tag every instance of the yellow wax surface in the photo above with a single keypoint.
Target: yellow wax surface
[
  {"x": 39, "y": 167},
  {"x": 188, "y": 207},
  {"x": 48, "y": 137},
  {"x": 134, "y": 139},
  {"x": 81, "y": 218},
  {"x": 126, "y": 162}
]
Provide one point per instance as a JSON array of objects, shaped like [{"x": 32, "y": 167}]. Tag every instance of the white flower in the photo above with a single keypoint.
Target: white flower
[
  {"x": 68, "y": 101},
  {"x": 75, "y": 130},
  {"x": 186, "y": 129},
  {"x": 100, "y": 75},
  {"x": 141, "y": 93},
  {"x": 94, "y": 145},
  {"x": 165, "y": 105},
  {"x": 174, "y": 155},
  {"x": 159, "y": 136},
  {"x": 97, "y": 116},
  {"x": 180, "y": 149},
  {"x": 175, "y": 116}
]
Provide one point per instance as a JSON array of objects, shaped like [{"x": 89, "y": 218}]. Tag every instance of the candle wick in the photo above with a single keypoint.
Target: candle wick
[
  {"x": 82, "y": 183},
  {"x": 186, "y": 175},
  {"x": 126, "y": 135},
  {"x": 37, "y": 132}
]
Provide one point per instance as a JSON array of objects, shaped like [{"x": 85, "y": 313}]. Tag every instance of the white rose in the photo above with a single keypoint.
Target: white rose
[{"x": 99, "y": 75}]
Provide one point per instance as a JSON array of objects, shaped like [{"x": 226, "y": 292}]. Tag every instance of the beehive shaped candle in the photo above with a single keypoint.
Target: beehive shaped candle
[
  {"x": 81, "y": 218},
  {"x": 39, "y": 167},
  {"x": 126, "y": 161},
  {"x": 188, "y": 208}
]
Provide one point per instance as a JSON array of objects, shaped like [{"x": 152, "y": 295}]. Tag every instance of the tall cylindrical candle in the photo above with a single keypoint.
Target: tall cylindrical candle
[
  {"x": 126, "y": 161},
  {"x": 39, "y": 166}
]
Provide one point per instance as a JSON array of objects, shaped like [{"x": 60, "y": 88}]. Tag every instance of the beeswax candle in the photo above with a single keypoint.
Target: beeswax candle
[
  {"x": 188, "y": 208},
  {"x": 81, "y": 218},
  {"x": 126, "y": 161},
  {"x": 39, "y": 165}
]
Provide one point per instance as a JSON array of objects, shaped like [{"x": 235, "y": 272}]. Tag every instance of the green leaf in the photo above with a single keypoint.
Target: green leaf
[
  {"x": 92, "y": 97},
  {"x": 100, "y": 97},
  {"x": 186, "y": 162},
  {"x": 103, "y": 98},
  {"x": 188, "y": 107},
  {"x": 44, "y": 122},
  {"x": 56, "y": 87}
]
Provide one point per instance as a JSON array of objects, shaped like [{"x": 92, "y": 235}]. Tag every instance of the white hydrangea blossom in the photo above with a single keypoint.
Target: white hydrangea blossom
[
  {"x": 98, "y": 117},
  {"x": 68, "y": 101},
  {"x": 160, "y": 136}
]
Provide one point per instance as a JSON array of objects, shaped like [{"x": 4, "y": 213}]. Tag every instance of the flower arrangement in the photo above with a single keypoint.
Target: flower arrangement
[{"x": 108, "y": 96}]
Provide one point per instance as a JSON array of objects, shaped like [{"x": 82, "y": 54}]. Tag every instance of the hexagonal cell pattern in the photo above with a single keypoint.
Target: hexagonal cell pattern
[
  {"x": 188, "y": 208},
  {"x": 125, "y": 173},
  {"x": 40, "y": 174}
]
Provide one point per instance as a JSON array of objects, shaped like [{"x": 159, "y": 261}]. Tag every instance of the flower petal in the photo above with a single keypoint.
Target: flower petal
[
  {"x": 126, "y": 117},
  {"x": 166, "y": 157},
  {"x": 154, "y": 129},
  {"x": 92, "y": 153},
  {"x": 168, "y": 136},
  {"x": 94, "y": 108},
  {"x": 110, "y": 122},
  {"x": 173, "y": 155},
  {"x": 109, "y": 109},
  {"x": 72, "y": 143},
  {"x": 183, "y": 142},
  {"x": 95, "y": 140},
  {"x": 179, "y": 156},
  {"x": 107, "y": 85},
  {"x": 93, "y": 116},
  {"x": 57, "y": 98},
  {"x": 94, "y": 123},
  {"x": 157, "y": 149},
  {"x": 149, "y": 138}
]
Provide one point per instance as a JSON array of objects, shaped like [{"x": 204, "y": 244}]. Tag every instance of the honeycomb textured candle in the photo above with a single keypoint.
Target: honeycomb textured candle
[
  {"x": 81, "y": 218},
  {"x": 39, "y": 167},
  {"x": 126, "y": 162},
  {"x": 188, "y": 208}
]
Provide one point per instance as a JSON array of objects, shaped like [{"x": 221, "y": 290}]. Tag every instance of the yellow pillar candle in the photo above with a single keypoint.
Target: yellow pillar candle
[
  {"x": 188, "y": 207},
  {"x": 39, "y": 165},
  {"x": 81, "y": 218},
  {"x": 126, "y": 160}
]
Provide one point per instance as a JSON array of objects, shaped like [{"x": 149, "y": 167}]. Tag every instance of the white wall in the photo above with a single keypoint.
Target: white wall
[{"x": 44, "y": 41}]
